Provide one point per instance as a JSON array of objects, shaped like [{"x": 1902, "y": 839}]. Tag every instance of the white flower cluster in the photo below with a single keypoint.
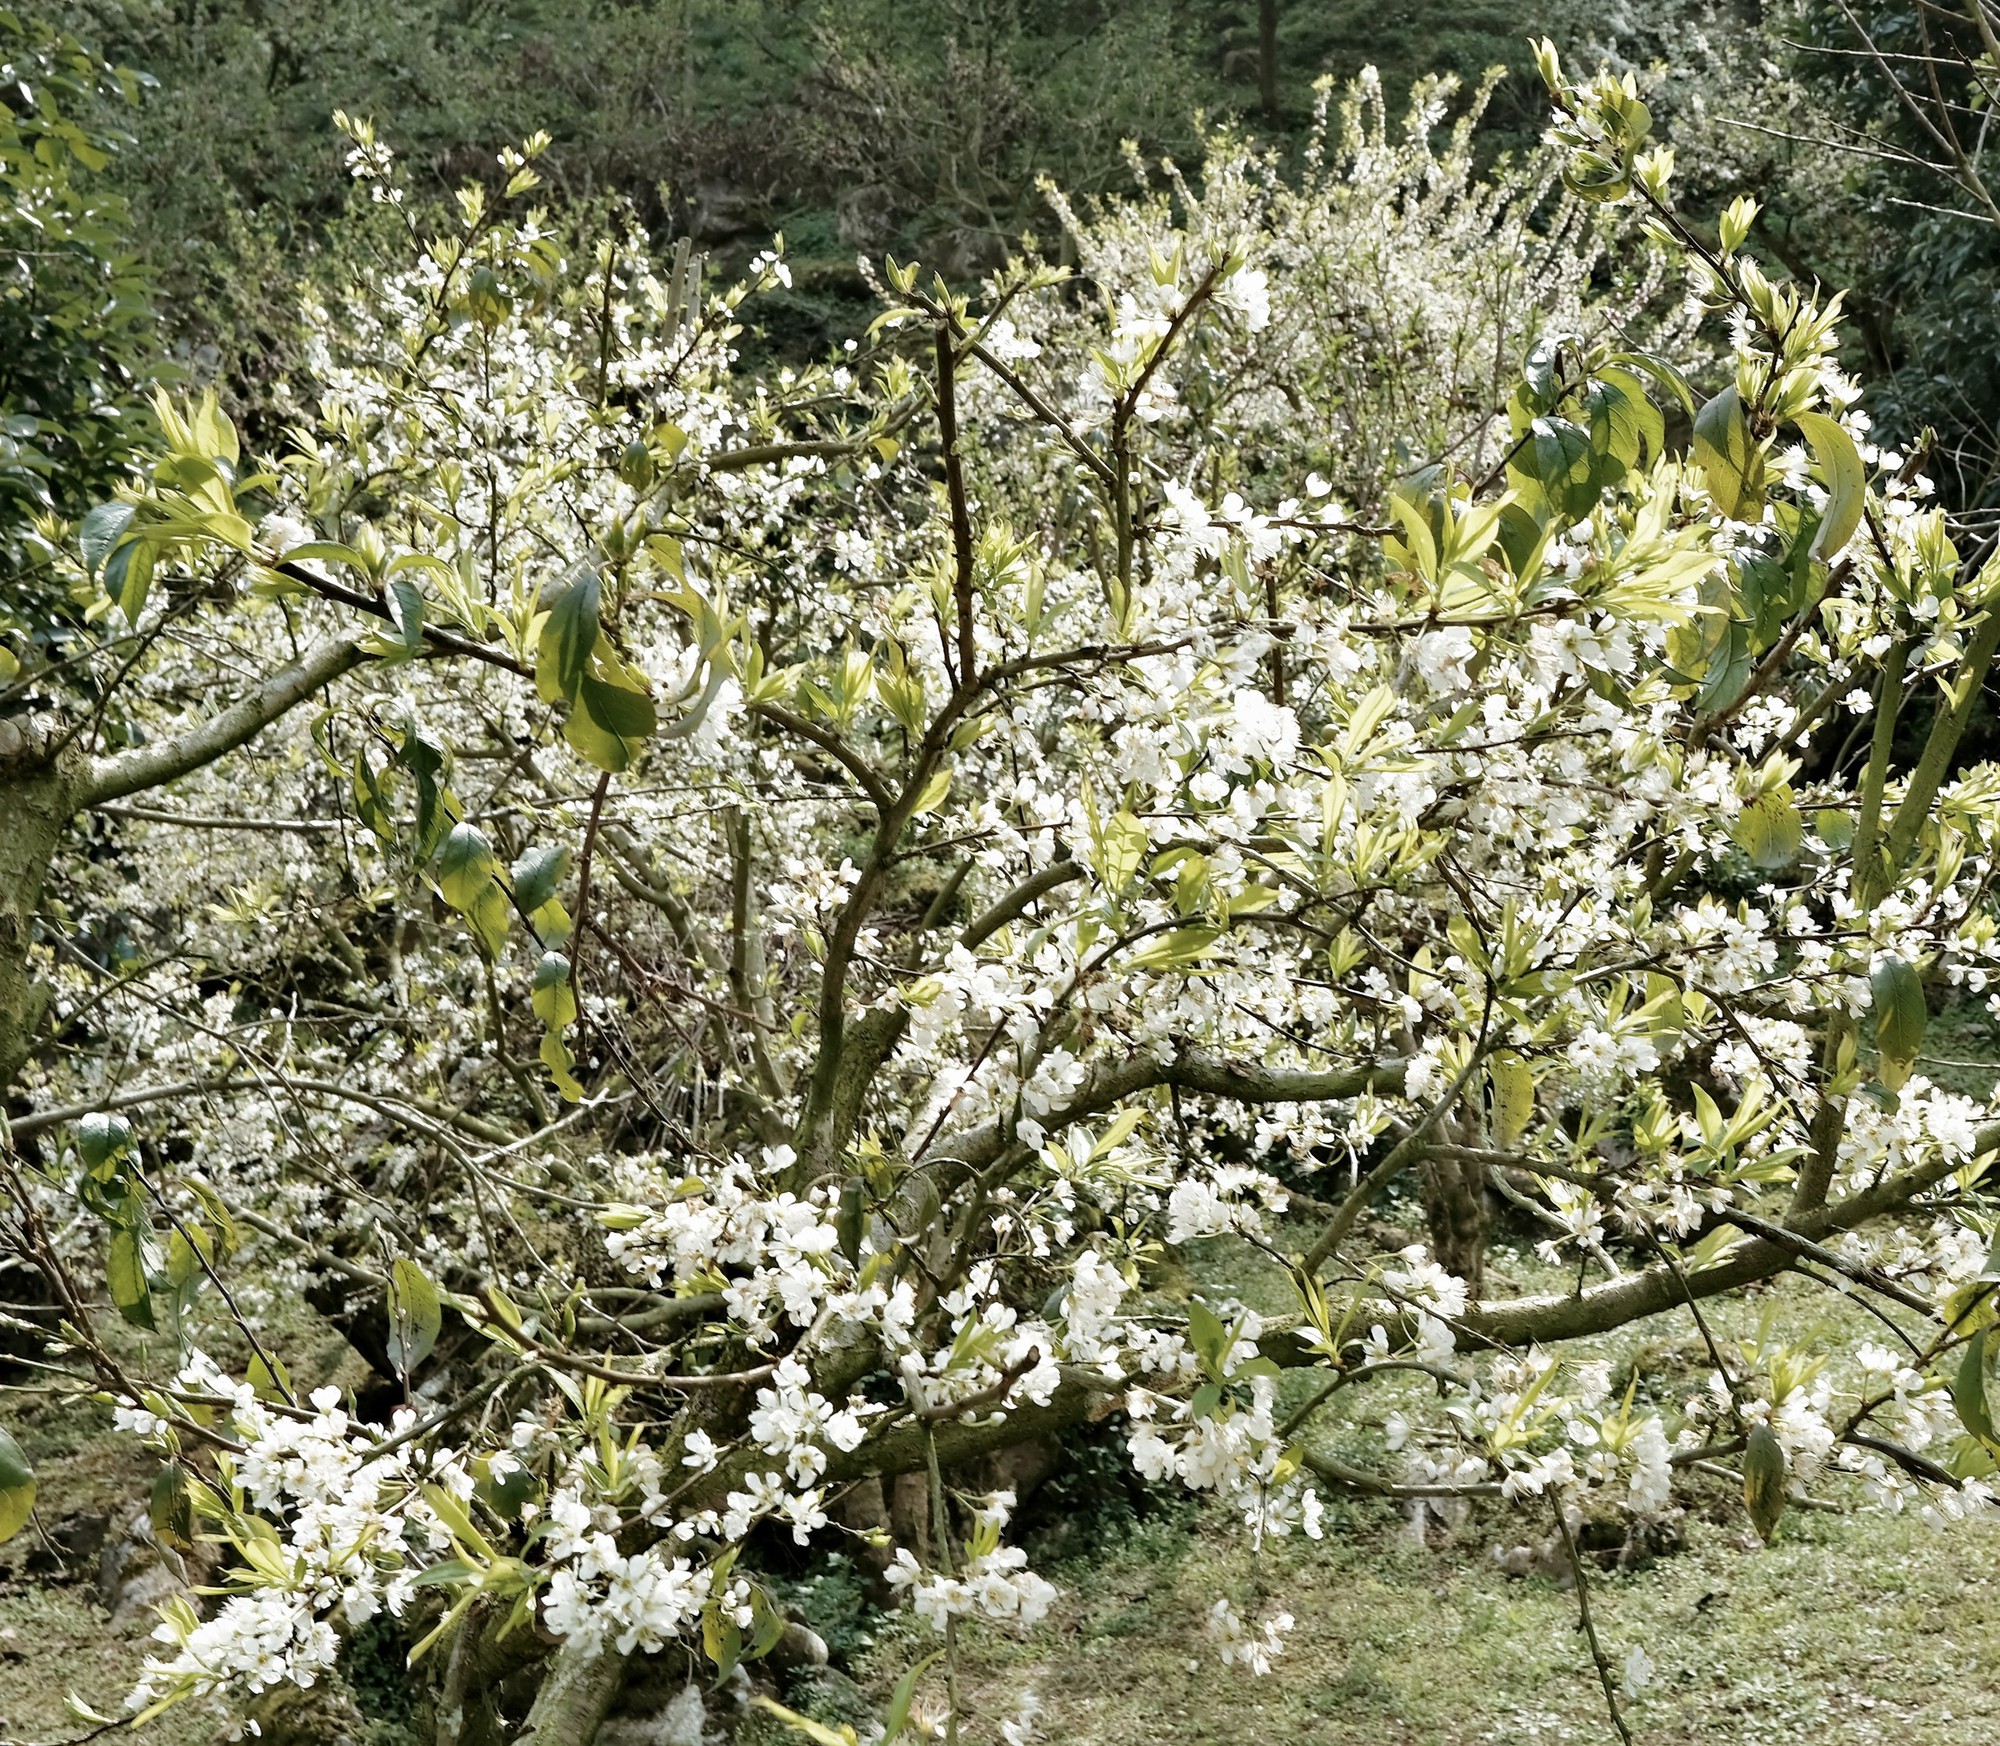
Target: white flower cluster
[{"x": 995, "y": 1582}]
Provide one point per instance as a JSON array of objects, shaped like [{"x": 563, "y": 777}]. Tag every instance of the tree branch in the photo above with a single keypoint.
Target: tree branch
[{"x": 153, "y": 766}]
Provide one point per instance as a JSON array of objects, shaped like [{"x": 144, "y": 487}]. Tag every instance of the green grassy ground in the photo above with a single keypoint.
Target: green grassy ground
[
  {"x": 1853, "y": 1629},
  {"x": 1853, "y": 1626}
]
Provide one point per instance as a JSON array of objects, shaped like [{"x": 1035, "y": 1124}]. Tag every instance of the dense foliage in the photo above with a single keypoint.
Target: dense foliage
[
  {"x": 76, "y": 315},
  {"x": 735, "y": 926}
]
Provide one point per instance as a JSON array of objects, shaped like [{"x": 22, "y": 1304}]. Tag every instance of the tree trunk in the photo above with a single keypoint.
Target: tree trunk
[
  {"x": 575, "y": 1696},
  {"x": 39, "y": 783},
  {"x": 1454, "y": 1197}
]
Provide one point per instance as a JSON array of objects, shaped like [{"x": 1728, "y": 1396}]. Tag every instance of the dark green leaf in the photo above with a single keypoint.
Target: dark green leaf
[
  {"x": 1729, "y": 457},
  {"x": 100, "y": 532},
  {"x": 536, "y": 875},
  {"x": 1968, "y": 1389},
  {"x": 1900, "y": 1019},
  {"x": 628, "y": 714},
  {"x": 101, "y": 1136},
  {"x": 1764, "y": 1474},
  {"x": 569, "y": 638},
  {"x": 465, "y": 867},
  {"x": 128, "y": 575},
  {"x": 851, "y": 1218},
  {"x": 1558, "y": 458},
  {"x": 170, "y": 1510},
  {"x": 1729, "y": 670},
  {"x": 125, "y": 1276},
  {"x": 406, "y": 612}
]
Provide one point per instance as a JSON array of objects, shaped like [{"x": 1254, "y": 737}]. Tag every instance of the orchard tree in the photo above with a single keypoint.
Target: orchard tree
[{"x": 765, "y": 910}]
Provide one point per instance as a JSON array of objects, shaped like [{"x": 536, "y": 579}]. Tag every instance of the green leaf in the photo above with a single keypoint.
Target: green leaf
[
  {"x": 1121, "y": 844},
  {"x": 1900, "y": 1019},
  {"x": 1633, "y": 429},
  {"x": 1769, "y": 830},
  {"x": 898, "y": 1716},
  {"x": 1208, "y": 1337},
  {"x": 569, "y": 637},
  {"x": 617, "y": 710},
  {"x": 325, "y": 551},
  {"x": 562, "y": 1067},
  {"x": 553, "y": 995},
  {"x": 1668, "y": 375},
  {"x": 406, "y": 612},
  {"x": 1968, "y": 1389},
  {"x": 1729, "y": 670},
  {"x": 508, "y": 1494},
  {"x": 125, "y": 1276},
  {"x": 17, "y": 1487},
  {"x": 102, "y": 1136},
  {"x": 1846, "y": 481},
  {"x": 100, "y": 532},
  {"x": 1177, "y": 950},
  {"x": 416, "y": 1317},
  {"x": 170, "y": 1509},
  {"x": 608, "y": 722},
  {"x": 186, "y": 1251},
  {"x": 818, "y": 1732},
  {"x": 536, "y": 875},
  {"x": 1729, "y": 457},
  {"x": 425, "y": 758},
  {"x": 850, "y": 1221},
  {"x": 269, "y": 1381},
  {"x": 1513, "y": 1083},
  {"x": 1558, "y": 458},
  {"x": 465, "y": 867},
  {"x": 128, "y": 575},
  {"x": 468, "y": 876},
  {"x": 1764, "y": 1470}
]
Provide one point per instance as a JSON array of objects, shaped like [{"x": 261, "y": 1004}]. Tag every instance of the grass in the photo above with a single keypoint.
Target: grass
[
  {"x": 1851, "y": 1627},
  {"x": 1856, "y": 1629}
]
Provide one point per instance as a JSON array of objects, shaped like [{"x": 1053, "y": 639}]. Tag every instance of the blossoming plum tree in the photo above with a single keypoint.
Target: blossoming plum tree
[{"x": 764, "y": 907}]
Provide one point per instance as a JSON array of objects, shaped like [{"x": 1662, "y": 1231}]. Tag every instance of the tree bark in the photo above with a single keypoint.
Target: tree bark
[
  {"x": 40, "y": 779},
  {"x": 575, "y": 1696},
  {"x": 1453, "y": 1191}
]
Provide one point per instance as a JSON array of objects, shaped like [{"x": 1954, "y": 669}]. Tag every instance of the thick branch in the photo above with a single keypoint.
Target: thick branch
[
  {"x": 1637, "y": 1295},
  {"x": 153, "y": 766}
]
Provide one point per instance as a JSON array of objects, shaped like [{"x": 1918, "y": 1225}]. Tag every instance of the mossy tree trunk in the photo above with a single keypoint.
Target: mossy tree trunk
[{"x": 40, "y": 779}]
